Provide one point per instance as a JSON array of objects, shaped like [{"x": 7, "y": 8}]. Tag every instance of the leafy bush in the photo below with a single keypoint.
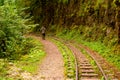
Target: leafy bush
[
  {"x": 12, "y": 27},
  {"x": 17, "y": 49},
  {"x": 34, "y": 57}
]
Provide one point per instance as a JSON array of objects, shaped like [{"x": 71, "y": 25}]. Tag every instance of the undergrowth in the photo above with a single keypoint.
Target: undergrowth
[
  {"x": 28, "y": 61},
  {"x": 3, "y": 69},
  {"x": 75, "y": 35},
  {"x": 34, "y": 57}
]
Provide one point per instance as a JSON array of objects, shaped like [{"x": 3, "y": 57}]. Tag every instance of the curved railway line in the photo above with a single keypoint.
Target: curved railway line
[
  {"x": 108, "y": 71},
  {"x": 84, "y": 69}
]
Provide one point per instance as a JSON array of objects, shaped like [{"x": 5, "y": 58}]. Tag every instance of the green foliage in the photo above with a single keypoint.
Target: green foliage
[
  {"x": 34, "y": 57},
  {"x": 2, "y": 34},
  {"x": 76, "y": 12},
  {"x": 1, "y": 2},
  {"x": 17, "y": 49},
  {"x": 3, "y": 69},
  {"x": 97, "y": 46},
  {"x": 105, "y": 52},
  {"x": 68, "y": 34},
  {"x": 12, "y": 28}
]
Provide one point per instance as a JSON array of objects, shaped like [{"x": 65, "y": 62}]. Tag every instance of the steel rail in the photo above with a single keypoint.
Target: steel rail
[
  {"x": 76, "y": 64},
  {"x": 100, "y": 68}
]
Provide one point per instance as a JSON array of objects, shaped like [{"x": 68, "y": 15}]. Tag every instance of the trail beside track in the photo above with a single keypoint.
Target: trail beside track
[{"x": 52, "y": 67}]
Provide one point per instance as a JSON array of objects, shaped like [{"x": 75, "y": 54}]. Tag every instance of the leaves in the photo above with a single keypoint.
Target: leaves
[
  {"x": 2, "y": 34},
  {"x": 12, "y": 28}
]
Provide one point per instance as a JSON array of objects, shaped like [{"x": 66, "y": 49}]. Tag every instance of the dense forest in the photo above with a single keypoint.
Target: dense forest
[
  {"x": 95, "y": 20},
  {"x": 87, "y": 20}
]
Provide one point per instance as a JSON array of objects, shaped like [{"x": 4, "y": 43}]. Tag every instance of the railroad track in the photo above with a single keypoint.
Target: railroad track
[
  {"x": 85, "y": 70},
  {"x": 110, "y": 72}
]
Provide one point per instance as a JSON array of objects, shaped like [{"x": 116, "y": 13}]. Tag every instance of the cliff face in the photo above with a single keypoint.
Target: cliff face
[{"x": 100, "y": 17}]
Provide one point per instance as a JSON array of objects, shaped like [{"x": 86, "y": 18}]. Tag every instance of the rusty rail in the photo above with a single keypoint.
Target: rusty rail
[
  {"x": 76, "y": 63},
  {"x": 100, "y": 68}
]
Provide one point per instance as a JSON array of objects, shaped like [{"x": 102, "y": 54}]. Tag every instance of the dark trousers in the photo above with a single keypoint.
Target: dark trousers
[{"x": 43, "y": 36}]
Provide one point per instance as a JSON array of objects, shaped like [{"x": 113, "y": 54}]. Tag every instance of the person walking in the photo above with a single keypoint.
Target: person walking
[{"x": 43, "y": 31}]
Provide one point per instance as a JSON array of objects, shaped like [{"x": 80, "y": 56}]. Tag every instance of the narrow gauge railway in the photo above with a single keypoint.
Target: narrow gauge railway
[
  {"x": 85, "y": 70},
  {"x": 110, "y": 71}
]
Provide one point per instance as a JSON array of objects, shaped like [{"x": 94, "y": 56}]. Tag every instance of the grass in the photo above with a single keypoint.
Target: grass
[
  {"x": 2, "y": 78},
  {"x": 105, "y": 52},
  {"x": 30, "y": 62},
  {"x": 3, "y": 69}
]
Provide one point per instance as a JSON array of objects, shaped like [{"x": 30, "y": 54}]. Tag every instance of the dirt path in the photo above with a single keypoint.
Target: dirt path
[{"x": 52, "y": 67}]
